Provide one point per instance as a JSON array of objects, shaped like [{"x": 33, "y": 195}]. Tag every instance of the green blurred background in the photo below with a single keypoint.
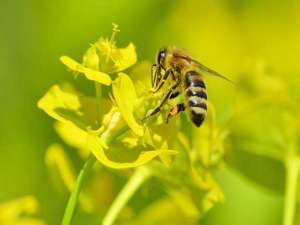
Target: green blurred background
[{"x": 224, "y": 34}]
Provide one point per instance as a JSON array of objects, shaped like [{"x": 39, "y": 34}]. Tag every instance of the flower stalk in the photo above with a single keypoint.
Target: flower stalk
[
  {"x": 72, "y": 202},
  {"x": 134, "y": 183},
  {"x": 98, "y": 90},
  {"x": 292, "y": 174}
]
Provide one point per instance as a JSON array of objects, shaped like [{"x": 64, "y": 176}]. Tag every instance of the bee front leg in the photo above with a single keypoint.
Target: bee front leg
[
  {"x": 158, "y": 108},
  {"x": 162, "y": 81},
  {"x": 165, "y": 98},
  {"x": 152, "y": 74}
]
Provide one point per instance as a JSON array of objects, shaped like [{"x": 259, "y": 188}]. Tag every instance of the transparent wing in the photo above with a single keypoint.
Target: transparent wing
[
  {"x": 209, "y": 71},
  {"x": 200, "y": 66}
]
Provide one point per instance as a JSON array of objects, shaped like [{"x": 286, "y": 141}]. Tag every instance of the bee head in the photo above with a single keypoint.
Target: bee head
[
  {"x": 160, "y": 62},
  {"x": 161, "y": 56}
]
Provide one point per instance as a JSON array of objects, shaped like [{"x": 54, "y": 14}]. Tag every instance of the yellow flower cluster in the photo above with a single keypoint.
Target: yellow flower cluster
[
  {"x": 76, "y": 114},
  {"x": 20, "y": 212}
]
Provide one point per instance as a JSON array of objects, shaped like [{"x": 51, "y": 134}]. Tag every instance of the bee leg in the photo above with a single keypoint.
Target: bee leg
[
  {"x": 162, "y": 81},
  {"x": 176, "y": 109},
  {"x": 158, "y": 108},
  {"x": 166, "y": 97},
  {"x": 174, "y": 94},
  {"x": 152, "y": 74}
]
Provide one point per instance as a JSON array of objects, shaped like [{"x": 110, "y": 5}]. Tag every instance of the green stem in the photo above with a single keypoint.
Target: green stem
[
  {"x": 98, "y": 90},
  {"x": 292, "y": 173},
  {"x": 71, "y": 205},
  {"x": 117, "y": 134},
  {"x": 136, "y": 180}
]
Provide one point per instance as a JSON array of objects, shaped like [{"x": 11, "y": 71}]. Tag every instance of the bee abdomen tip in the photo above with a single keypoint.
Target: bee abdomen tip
[{"x": 197, "y": 118}]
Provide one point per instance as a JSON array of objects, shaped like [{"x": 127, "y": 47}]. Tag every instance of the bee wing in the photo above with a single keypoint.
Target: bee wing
[
  {"x": 209, "y": 71},
  {"x": 200, "y": 66}
]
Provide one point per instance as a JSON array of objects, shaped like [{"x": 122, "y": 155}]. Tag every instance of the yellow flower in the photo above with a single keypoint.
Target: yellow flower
[
  {"x": 101, "y": 59},
  {"x": 144, "y": 157},
  {"x": 20, "y": 212},
  {"x": 73, "y": 136},
  {"x": 115, "y": 59},
  {"x": 90, "y": 74},
  {"x": 71, "y": 110},
  {"x": 126, "y": 98},
  {"x": 210, "y": 147},
  {"x": 66, "y": 105}
]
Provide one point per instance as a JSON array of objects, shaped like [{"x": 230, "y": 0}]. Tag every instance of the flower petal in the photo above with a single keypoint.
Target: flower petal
[
  {"x": 91, "y": 58},
  {"x": 73, "y": 136},
  {"x": 125, "y": 96},
  {"x": 20, "y": 211},
  {"x": 90, "y": 74},
  {"x": 124, "y": 57},
  {"x": 144, "y": 157},
  {"x": 64, "y": 104},
  {"x": 25, "y": 205},
  {"x": 60, "y": 166},
  {"x": 58, "y": 98},
  {"x": 166, "y": 159},
  {"x": 113, "y": 59}
]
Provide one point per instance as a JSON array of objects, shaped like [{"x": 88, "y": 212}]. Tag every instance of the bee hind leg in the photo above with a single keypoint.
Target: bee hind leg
[{"x": 176, "y": 109}]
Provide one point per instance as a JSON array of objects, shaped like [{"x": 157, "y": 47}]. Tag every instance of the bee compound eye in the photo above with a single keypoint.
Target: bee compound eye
[{"x": 161, "y": 56}]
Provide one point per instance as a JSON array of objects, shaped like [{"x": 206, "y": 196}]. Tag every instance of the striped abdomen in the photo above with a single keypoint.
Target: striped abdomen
[{"x": 195, "y": 97}]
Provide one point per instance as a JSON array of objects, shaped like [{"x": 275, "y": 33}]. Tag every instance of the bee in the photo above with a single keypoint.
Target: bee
[{"x": 184, "y": 75}]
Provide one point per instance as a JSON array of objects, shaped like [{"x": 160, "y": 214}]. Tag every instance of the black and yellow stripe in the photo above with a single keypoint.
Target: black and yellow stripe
[{"x": 195, "y": 97}]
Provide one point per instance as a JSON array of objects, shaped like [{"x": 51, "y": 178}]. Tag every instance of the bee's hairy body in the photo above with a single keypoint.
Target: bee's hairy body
[
  {"x": 195, "y": 96},
  {"x": 192, "y": 87},
  {"x": 186, "y": 79}
]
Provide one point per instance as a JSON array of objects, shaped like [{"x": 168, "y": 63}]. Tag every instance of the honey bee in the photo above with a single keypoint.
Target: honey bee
[{"x": 184, "y": 75}]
